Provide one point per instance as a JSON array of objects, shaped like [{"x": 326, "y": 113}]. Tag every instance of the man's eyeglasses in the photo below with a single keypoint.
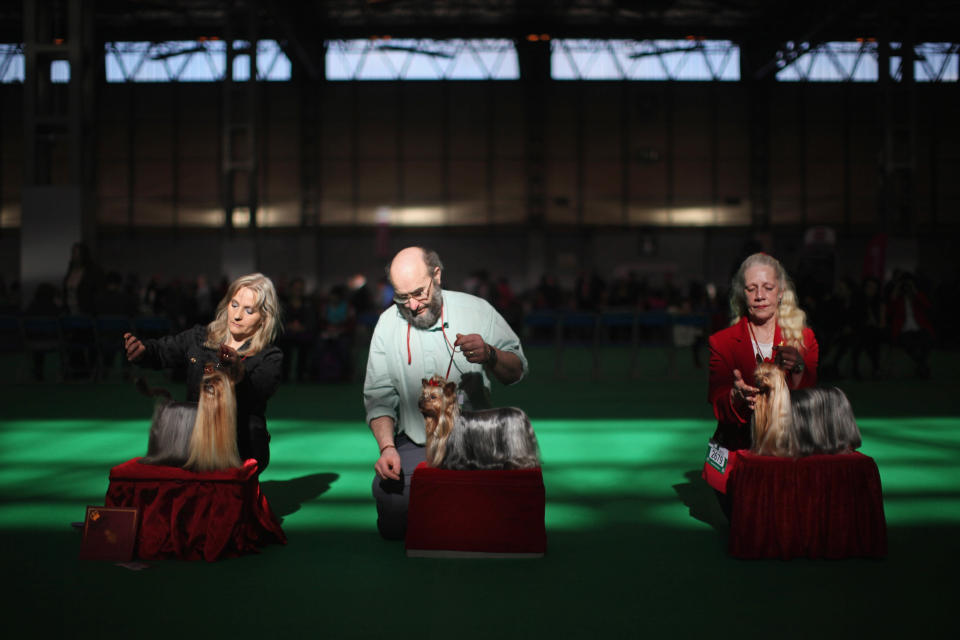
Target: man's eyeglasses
[{"x": 422, "y": 294}]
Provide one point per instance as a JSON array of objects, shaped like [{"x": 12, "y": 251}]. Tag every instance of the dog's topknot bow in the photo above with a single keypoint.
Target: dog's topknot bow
[{"x": 434, "y": 382}]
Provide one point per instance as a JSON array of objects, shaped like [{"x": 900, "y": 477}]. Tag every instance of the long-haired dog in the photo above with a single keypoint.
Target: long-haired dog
[
  {"x": 489, "y": 439},
  {"x": 198, "y": 436},
  {"x": 816, "y": 420}
]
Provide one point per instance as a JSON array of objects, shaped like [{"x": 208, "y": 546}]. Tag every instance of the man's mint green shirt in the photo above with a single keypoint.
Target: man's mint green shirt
[{"x": 395, "y": 371}]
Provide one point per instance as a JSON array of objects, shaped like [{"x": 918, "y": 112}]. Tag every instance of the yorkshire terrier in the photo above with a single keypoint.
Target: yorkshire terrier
[
  {"x": 488, "y": 439},
  {"x": 802, "y": 422},
  {"x": 198, "y": 436}
]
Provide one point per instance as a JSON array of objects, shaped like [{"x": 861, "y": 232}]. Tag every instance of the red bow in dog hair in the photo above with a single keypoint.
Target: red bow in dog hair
[{"x": 433, "y": 382}]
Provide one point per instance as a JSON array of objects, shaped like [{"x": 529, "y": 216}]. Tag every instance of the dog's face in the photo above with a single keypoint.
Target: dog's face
[
  {"x": 765, "y": 376},
  {"x": 228, "y": 365},
  {"x": 438, "y": 400},
  {"x": 431, "y": 397},
  {"x": 214, "y": 381}
]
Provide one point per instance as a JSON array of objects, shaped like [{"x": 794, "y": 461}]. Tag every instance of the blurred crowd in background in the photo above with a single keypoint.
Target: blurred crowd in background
[{"x": 856, "y": 320}]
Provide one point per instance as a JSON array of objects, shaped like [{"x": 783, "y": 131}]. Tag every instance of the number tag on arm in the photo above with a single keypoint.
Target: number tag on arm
[{"x": 717, "y": 456}]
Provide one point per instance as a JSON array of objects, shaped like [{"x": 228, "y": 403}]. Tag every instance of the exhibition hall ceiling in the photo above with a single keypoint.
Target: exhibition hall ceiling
[{"x": 741, "y": 20}]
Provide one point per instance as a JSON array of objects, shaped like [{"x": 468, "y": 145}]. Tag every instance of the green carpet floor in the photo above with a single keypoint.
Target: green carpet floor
[{"x": 636, "y": 541}]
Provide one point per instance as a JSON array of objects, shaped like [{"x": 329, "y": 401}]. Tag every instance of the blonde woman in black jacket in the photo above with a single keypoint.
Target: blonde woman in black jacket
[{"x": 247, "y": 320}]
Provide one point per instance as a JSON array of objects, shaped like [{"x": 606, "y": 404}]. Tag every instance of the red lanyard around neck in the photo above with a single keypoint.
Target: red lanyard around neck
[
  {"x": 446, "y": 339},
  {"x": 757, "y": 343}
]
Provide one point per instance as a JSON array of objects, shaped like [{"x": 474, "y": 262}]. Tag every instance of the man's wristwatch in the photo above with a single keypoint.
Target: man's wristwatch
[
  {"x": 491, "y": 358},
  {"x": 798, "y": 368}
]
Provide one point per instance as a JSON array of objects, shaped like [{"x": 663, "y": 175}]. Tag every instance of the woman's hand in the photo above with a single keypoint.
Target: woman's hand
[
  {"x": 789, "y": 359},
  {"x": 742, "y": 393},
  {"x": 133, "y": 347},
  {"x": 231, "y": 361},
  {"x": 228, "y": 355}
]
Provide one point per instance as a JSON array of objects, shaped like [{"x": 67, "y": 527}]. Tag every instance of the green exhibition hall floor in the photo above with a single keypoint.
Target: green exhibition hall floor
[{"x": 636, "y": 543}]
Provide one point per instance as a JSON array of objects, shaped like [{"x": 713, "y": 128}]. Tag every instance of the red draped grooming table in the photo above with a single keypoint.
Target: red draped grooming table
[
  {"x": 825, "y": 506},
  {"x": 194, "y": 516},
  {"x": 476, "y": 513}
]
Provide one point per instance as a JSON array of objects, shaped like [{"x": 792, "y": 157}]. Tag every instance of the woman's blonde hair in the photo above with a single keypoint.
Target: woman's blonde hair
[
  {"x": 267, "y": 304},
  {"x": 790, "y": 316}
]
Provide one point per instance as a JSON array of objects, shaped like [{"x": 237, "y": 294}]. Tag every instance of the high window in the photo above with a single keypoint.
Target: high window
[
  {"x": 859, "y": 62},
  {"x": 202, "y": 60},
  {"x": 421, "y": 59},
  {"x": 690, "y": 59}
]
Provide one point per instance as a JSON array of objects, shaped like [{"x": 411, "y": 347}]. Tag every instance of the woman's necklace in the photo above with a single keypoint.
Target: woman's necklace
[{"x": 756, "y": 343}]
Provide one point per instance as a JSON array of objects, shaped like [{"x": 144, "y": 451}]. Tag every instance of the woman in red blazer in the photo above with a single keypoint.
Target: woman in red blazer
[{"x": 767, "y": 326}]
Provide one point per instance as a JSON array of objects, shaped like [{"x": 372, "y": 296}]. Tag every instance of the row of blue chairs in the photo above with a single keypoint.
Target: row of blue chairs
[
  {"x": 82, "y": 346},
  {"x": 87, "y": 346},
  {"x": 596, "y": 331}
]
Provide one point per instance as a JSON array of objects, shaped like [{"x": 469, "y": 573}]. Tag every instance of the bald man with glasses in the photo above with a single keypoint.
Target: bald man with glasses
[{"x": 427, "y": 331}]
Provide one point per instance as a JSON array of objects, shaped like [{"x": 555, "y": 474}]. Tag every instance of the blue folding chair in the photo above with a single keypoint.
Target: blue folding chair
[
  {"x": 40, "y": 337},
  {"x": 78, "y": 347},
  {"x": 146, "y": 327},
  {"x": 110, "y": 330}
]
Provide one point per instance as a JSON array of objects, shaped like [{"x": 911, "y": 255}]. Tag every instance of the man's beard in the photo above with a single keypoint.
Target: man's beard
[{"x": 431, "y": 311}]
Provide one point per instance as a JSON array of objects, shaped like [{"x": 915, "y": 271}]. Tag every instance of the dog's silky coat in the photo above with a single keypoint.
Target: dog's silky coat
[
  {"x": 802, "y": 422},
  {"x": 198, "y": 436},
  {"x": 489, "y": 439}
]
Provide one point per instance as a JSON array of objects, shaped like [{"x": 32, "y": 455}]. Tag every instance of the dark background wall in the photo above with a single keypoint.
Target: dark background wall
[{"x": 648, "y": 176}]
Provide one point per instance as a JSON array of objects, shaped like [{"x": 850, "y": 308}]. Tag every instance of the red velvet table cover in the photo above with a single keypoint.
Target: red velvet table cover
[
  {"x": 193, "y": 516},
  {"x": 494, "y": 512},
  {"x": 823, "y": 506}
]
